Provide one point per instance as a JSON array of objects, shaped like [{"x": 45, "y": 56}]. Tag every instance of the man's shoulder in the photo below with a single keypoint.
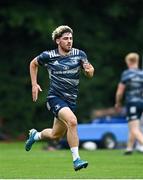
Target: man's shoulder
[
  {"x": 79, "y": 52},
  {"x": 51, "y": 53},
  {"x": 141, "y": 71},
  {"x": 126, "y": 74},
  {"x": 127, "y": 71}
]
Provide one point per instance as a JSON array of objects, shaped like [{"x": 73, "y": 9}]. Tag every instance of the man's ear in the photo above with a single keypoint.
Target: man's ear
[{"x": 58, "y": 41}]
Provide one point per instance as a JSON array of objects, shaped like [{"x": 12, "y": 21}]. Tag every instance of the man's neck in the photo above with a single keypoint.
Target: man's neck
[
  {"x": 133, "y": 67},
  {"x": 62, "y": 52}
]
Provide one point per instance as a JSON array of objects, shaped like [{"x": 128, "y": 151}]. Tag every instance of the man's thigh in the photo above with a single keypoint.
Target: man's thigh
[
  {"x": 134, "y": 124},
  {"x": 66, "y": 116}
]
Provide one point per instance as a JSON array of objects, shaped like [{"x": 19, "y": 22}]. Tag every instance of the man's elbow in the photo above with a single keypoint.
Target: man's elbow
[{"x": 33, "y": 63}]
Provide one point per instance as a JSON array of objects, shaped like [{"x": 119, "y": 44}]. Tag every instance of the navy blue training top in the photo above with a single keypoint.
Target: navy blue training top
[
  {"x": 63, "y": 72},
  {"x": 133, "y": 80}
]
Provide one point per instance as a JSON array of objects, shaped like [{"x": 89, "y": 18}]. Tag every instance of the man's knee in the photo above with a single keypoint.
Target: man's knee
[
  {"x": 135, "y": 131},
  {"x": 72, "y": 121}
]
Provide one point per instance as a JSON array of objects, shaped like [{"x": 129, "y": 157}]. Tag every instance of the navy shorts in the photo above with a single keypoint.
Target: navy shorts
[
  {"x": 134, "y": 110},
  {"x": 54, "y": 104}
]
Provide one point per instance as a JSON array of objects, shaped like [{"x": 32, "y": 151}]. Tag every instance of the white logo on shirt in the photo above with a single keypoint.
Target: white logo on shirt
[
  {"x": 56, "y": 63},
  {"x": 57, "y": 107}
]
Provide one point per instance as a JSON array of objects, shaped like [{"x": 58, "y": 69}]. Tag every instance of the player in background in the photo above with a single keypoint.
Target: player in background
[
  {"x": 63, "y": 65},
  {"x": 131, "y": 85}
]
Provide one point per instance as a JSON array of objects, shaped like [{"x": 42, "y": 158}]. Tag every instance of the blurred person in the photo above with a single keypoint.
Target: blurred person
[
  {"x": 131, "y": 85},
  {"x": 138, "y": 146},
  {"x": 51, "y": 145},
  {"x": 63, "y": 65},
  {"x": 107, "y": 112}
]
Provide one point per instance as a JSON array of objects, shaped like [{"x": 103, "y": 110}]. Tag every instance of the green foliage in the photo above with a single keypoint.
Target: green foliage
[{"x": 106, "y": 31}]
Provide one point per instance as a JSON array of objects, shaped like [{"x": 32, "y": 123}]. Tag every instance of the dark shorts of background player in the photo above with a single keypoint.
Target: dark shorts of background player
[
  {"x": 134, "y": 110},
  {"x": 55, "y": 104}
]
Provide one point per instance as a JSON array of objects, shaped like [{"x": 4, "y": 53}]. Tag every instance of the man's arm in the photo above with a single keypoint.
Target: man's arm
[
  {"x": 119, "y": 95},
  {"x": 88, "y": 69},
  {"x": 33, "y": 74}
]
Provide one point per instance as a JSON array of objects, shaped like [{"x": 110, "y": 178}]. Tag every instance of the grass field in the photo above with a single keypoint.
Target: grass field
[{"x": 15, "y": 162}]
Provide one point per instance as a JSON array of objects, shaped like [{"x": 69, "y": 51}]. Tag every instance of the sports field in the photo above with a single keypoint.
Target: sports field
[{"x": 15, "y": 162}]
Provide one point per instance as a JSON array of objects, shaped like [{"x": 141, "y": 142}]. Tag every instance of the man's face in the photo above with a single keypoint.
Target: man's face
[{"x": 65, "y": 42}]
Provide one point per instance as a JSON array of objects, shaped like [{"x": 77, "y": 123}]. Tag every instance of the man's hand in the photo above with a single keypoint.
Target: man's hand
[
  {"x": 35, "y": 90},
  {"x": 118, "y": 107},
  {"x": 89, "y": 69}
]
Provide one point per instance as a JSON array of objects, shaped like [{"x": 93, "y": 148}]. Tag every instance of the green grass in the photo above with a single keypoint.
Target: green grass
[{"x": 15, "y": 162}]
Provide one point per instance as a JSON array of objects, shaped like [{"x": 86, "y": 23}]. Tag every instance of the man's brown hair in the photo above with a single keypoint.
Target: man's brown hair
[{"x": 59, "y": 31}]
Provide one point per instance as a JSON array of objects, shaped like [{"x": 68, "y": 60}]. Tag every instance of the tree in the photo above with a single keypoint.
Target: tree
[{"x": 105, "y": 30}]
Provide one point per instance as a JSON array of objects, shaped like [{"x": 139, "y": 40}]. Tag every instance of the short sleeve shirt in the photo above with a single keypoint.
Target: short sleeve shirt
[
  {"x": 63, "y": 72},
  {"x": 133, "y": 80}
]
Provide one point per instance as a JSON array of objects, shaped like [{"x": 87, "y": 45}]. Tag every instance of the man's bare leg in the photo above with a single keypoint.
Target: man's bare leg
[
  {"x": 134, "y": 133},
  {"x": 68, "y": 117},
  {"x": 131, "y": 141},
  {"x": 130, "y": 144},
  {"x": 70, "y": 120},
  {"x": 59, "y": 129},
  {"x": 55, "y": 133}
]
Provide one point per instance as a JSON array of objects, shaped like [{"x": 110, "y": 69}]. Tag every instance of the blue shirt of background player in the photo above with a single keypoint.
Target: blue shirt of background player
[
  {"x": 63, "y": 72},
  {"x": 133, "y": 80}
]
